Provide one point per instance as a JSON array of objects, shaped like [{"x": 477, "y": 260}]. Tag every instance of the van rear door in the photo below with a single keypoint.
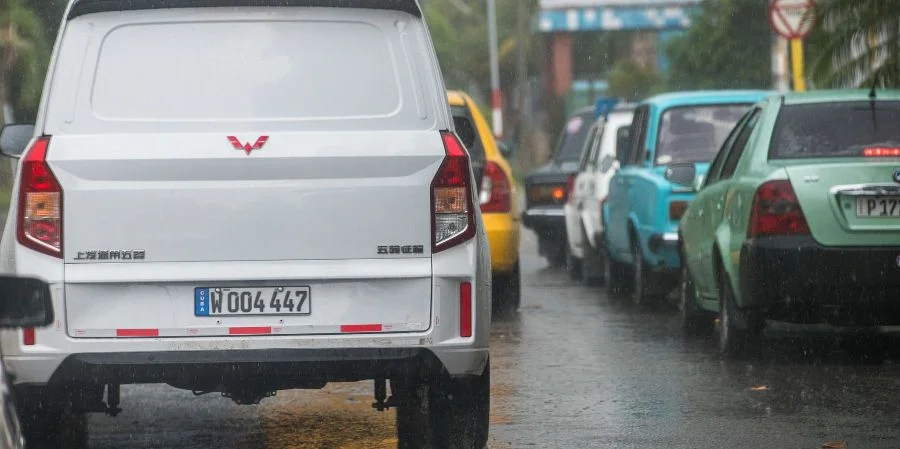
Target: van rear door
[{"x": 251, "y": 152}]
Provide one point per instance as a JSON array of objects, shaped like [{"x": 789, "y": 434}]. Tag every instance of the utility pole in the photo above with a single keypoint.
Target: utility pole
[
  {"x": 522, "y": 102},
  {"x": 496, "y": 95}
]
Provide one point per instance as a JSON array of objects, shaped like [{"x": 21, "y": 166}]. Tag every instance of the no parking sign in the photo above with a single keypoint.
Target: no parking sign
[{"x": 794, "y": 20}]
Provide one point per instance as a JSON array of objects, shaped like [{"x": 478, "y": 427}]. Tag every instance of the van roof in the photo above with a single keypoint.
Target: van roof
[{"x": 82, "y": 7}]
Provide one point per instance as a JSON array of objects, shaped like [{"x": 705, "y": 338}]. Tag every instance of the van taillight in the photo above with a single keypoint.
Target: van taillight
[
  {"x": 452, "y": 208},
  {"x": 39, "y": 224},
  {"x": 495, "y": 189},
  {"x": 776, "y": 211},
  {"x": 570, "y": 187}
]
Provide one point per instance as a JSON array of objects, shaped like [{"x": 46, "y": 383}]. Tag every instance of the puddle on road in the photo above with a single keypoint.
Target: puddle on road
[{"x": 340, "y": 416}]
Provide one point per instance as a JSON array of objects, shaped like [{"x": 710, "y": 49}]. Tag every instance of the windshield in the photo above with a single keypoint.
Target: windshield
[
  {"x": 695, "y": 133},
  {"x": 572, "y": 140},
  {"x": 467, "y": 132},
  {"x": 839, "y": 129}
]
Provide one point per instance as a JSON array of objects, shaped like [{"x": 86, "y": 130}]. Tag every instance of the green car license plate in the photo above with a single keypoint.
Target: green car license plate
[{"x": 878, "y": 206}]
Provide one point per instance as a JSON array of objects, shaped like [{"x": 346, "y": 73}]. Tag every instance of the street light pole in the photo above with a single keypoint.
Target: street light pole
[{"x": 496, "y": 95}]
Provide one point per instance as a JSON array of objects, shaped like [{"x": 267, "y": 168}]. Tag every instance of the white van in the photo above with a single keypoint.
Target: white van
[{"x": 249, "y": 198}]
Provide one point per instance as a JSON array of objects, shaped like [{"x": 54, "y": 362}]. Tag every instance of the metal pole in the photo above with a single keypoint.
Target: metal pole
[
  {"x": 797, "y": 63},
  {"x": 496, "y": 95}
]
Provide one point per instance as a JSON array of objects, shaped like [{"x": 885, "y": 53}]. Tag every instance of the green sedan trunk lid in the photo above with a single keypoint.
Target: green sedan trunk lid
[{"x": 837, "y": 195}]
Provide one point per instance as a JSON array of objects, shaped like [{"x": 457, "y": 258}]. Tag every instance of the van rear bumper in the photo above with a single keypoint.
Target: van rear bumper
[
  {"x": 277, "y": 368},
  {"x": 282, "y": 368}
]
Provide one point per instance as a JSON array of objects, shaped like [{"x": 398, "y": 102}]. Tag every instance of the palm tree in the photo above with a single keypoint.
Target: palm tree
[
  {"x": 859, "y": 43},
  {"x": 23, "y": 51}
]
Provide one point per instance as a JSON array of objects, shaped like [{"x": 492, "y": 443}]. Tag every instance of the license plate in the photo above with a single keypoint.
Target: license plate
[
  {"x": 878, "y": 206},
  {"x": 246, "y": 301}
]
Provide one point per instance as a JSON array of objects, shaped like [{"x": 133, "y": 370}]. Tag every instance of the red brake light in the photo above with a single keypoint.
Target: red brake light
[
  {"x": 776, "y": 211},
  {"x": 452, "y": 208},
  {"x": 39, "y": 224},
  {"x": 495, "y": 191},
  {"x": 881, "y": 152},
  {"x": 570, "y": 187}
]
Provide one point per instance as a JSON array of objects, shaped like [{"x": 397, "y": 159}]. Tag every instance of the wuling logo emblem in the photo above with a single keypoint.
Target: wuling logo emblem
[{"x": 247, "y": 147}]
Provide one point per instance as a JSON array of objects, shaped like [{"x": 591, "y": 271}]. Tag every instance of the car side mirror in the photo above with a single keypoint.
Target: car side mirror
[
  {"x": 698, "y": 183},
  {"x": 24, "y": 302},
  {"x": 681, "y": 174},
  {"x": 14, "y": 139},
  {"x": 505, "y": 149}
]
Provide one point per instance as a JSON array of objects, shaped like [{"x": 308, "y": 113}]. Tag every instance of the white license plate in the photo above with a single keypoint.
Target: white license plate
[
  {"x": 878, "y": 206},
  {"x": 245, "y": 301}
]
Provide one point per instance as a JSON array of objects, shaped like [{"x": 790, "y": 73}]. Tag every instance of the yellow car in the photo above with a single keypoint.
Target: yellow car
[{"x": 497, "y": 187}]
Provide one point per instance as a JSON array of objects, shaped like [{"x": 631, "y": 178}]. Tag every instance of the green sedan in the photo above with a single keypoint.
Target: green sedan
[{"x": 796, "y": 225}]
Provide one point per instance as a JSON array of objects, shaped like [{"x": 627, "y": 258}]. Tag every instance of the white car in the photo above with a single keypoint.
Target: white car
[
  {"x": 246, "y": 199},
  {"x": 588, "y": 190}
]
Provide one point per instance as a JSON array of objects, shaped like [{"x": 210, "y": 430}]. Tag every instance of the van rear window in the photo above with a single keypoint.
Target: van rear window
[
  {"x": 838, "y": 129},
  {"x": 261, "y": 70}
]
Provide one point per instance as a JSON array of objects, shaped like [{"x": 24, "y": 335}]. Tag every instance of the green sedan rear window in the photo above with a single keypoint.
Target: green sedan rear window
[{"x": 839, "y": 129}]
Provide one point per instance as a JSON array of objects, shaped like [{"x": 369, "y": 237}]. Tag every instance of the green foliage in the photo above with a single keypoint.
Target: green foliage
[
  {"x": 50, "y": 12},
  {"x": 858, "y": 43},
  {"x": 727, "y": 46},
  {"x": 633, "y": 82},
  {"x": 23, "y": 55},
  {"x": 460, "y": 34}
]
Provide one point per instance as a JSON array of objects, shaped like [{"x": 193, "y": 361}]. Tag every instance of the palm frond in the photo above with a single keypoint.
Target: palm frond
[{"x": 861, "y": 43}]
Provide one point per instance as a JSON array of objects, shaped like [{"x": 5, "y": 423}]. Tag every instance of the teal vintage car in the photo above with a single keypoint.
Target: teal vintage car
[
  {"x": 673, "y": 137},
  {"x": 797, "y": 222}
]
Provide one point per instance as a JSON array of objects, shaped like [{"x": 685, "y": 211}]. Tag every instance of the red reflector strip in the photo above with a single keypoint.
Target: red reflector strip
[
  {"x": 28, "y": 336},
  {"x": 465, "y": 309},
  {"x": 134, "y": 333},
  {"x": 357, "y": 328},
  {"x": 249, "y": 330}
]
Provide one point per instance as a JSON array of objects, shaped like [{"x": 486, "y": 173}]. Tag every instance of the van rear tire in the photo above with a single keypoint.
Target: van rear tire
[
  {"x": 46, "y": 429},
  {"x": 446, "y": 413}
]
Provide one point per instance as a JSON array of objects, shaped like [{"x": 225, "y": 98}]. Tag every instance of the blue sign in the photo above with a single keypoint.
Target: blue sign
[
  {"x": 604, "y": 106},
  {"x": 588, "y": 18}
]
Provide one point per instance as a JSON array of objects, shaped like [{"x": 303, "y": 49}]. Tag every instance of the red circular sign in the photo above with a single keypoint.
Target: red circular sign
[{"x": 792, "y": 19}]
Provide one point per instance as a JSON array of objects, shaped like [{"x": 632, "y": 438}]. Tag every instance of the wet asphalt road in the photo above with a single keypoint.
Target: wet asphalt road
[{"x": 573, "y": 369}]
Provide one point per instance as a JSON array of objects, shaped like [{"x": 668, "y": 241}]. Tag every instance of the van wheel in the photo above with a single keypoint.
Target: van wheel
[
  {"x": 573, "y": 264},
  {"x": 54, "y": 428},
  {"x": 415, "y": 426},
  {"x": 446, "y": 413},
  {"x": 507, "y": 290},
  {"x": 591, "y": 265}
]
